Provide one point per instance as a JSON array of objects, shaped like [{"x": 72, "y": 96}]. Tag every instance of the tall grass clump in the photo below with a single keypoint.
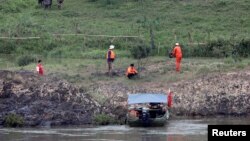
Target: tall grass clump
[{"x": 25, "y": 60}]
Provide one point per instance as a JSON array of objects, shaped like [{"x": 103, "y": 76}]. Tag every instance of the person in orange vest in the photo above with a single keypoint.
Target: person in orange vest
[
  {"x": 177, "y": 53},
  {"x": 39, "y": 67},
  {"x": 110, "y": 58},
  {"x": 131, "y": 71}
]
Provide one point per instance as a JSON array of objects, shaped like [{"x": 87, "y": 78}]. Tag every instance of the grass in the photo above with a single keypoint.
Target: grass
[
  {"x": 85, "y": 72},
  {"x": 80, "y": 59},
  {"x": 172, "y": 20}
]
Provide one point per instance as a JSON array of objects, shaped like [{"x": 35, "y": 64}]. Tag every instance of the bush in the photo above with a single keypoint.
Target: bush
[
  {"x": 222, "y": 48},
  {"x": 103, "y": 119},
  {"x": 25, "y": 60},
  {"x": 217, "y": 48},
  {"x": 140, "y": 51},
  {"x": 243, "y": 48},
  {"x": 13, "y": 120}
]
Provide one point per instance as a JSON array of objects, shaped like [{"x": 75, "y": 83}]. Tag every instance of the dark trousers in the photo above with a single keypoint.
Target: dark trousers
[
  {"x": 40, "y": 2},
  {"x": 131, "y": 75}
]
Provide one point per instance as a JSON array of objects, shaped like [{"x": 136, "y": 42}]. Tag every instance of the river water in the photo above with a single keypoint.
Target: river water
[{"x": 175, "y": 130}]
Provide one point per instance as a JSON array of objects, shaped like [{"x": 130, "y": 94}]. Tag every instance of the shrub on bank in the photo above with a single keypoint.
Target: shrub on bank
[
  {"x": 13, "y": 120},
  {"x": 102, "y": 119}
]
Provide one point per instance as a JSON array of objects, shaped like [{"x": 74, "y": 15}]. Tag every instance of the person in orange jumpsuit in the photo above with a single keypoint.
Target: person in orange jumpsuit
[
  {"x": 131, "y": 71},
  {"x": 39, "y": 67},
  {"x": 110, "y": 58},
  {"x": 177, "y": 53}
]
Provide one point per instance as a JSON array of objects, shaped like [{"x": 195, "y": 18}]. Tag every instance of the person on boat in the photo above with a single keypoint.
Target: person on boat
[
  {"x": 133, "y": 111},
  {"x": 156, "y": 105}
]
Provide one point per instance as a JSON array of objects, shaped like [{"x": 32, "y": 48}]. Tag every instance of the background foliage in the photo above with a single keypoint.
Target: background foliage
[{"x": 210, "y": 28}]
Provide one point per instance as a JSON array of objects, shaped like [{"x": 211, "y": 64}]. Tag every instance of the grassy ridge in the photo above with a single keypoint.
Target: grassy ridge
[{"x": 185, "y": 21}]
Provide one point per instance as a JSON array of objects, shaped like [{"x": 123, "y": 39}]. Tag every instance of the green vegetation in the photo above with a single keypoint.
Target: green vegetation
[
  {"x": 222, "y": 48},
  {"x": 72, "y": 42},
  {"x": 25, "y": 60},
  {"x": 89, "y": 72},
  {"x": 140, "y": 51},
  {"x": 103, "y": 119},
  {"x": 216, "y": 26},
  {"x": 13, "y": 120}
]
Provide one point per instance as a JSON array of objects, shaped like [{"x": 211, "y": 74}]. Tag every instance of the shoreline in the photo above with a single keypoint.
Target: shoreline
[{"x": 52, "y": 102}]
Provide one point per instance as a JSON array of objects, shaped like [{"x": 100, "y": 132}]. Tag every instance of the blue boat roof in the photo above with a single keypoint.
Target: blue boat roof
[{"x": 147, "y": 98}]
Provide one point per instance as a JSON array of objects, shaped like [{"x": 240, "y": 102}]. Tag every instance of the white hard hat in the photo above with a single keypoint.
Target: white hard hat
[
  {"x": 177, "y": 44},
  {"x": 111, "y": 47}
]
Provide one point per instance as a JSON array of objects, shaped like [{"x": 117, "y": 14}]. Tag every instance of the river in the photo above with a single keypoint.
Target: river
[{"x": 175, "y": 130}]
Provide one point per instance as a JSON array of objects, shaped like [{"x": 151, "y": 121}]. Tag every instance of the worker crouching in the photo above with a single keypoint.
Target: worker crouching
[{"x": 131, "y": 71}]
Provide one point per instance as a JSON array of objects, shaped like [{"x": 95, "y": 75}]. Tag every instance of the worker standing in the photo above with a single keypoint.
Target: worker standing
[
  {"x": 177, "y": 53},
  {"x": 110, "y": 58},
  {"x": 39, "y": 67},
  {"x": 131, "y": 71},
  {"x": 47, "y": 4}
]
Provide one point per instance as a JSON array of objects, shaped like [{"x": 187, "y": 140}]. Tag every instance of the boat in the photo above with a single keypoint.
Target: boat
[{"x": 146, "y": 109}]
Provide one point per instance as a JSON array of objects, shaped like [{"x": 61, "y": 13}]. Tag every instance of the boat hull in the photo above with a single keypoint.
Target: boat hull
[{"x": 150, "y": 122}]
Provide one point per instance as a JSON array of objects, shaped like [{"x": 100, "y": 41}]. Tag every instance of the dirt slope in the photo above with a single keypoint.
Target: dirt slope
[
  {"x": 43, "y": 100},
  {"x": 50, "y": 101}
]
